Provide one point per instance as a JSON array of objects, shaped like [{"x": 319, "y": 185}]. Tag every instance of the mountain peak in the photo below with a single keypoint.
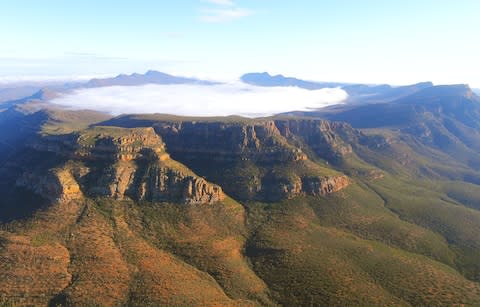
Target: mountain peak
[
  {"x": 150, "y": 77},
  {"x": 156, "y": 73},
  {"x": 44, "y": 94}
]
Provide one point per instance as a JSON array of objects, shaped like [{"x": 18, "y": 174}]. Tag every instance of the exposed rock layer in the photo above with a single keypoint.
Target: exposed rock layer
[
  {"x": 118, "y": 163},
  {"x": 260, "y": 160}
]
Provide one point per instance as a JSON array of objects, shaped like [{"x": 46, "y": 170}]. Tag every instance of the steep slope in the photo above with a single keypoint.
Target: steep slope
[
  {"x": 81, "y": 240},
  {"x": 118, "y": 163},
  {"x": 431, "y": 151},
  {"x": 252, "y": 160},
  {"x": 443, "y": 118},
  {"x": 373, "y": 157},
  {"x": 118, "y": 213}
]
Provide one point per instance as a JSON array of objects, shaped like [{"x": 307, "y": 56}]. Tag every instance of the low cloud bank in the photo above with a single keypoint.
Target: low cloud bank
[{"x": 201, "y": 100}]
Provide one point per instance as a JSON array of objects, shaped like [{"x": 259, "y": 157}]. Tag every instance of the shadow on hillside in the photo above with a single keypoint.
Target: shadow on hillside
[{"x": 18, "y": 203}]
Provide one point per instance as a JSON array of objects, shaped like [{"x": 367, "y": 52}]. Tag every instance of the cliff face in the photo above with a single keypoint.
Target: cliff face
[
  {"x": 55, "y": 185},
  {"x": 259, "y": 160},
  {"x": 261, "y": 142},
  {"x": 323, "y": 137},
  {"x": 164, "y": 184},
  {"x": 275, "y": 189},
  {"x": 117, "y": 163}
]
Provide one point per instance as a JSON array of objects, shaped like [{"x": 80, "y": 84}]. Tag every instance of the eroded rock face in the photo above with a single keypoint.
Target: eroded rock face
[
  {"x": 118, "y": 144},
  {"x": 277, "y": 189},
  {"x": 259, "y": 160},
  {"x": 163, "y": 184},
  {"x": 324, "y": 137},
  {"x": 253, "y": 160},
  {"x": 260, "y": 141},
  {"x": 151, "y": 181},
  {"x": 325, "y": 185},
  {"x": 117, "y": 163},
  {"x": 55, "y": 185}
]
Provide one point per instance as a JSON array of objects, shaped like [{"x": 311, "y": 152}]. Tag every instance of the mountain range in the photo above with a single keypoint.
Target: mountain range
[
  {"x": 358, "y": 93},
  {"x": 373, "y": 202}
]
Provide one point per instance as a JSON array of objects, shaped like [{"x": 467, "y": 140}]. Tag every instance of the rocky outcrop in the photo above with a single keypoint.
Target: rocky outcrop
[
  {"x": 112, "y": 143},
  {"x": 55, "y": 185},
  {"x": 277, "y": 189},
  {"x": 325, "y": 138},
  {"x": 257, "y": 141},
  {"x": 164, "y": 184},
  {"x": 103, "y": 143},
  {"x": 117, "y": 163},
  {"x": 150, "y": 181},
  {"x": 259, "y": 159},
  {"x": 324, "y": 185},
  {"x": 251, "y": 159}
]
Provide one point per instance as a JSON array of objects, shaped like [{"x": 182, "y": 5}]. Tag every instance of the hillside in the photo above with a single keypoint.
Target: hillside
[{"x": 158, "y": 209}]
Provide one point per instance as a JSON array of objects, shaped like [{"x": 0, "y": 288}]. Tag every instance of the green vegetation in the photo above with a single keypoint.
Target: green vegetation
[
  {"x": 65, "y": 121},
  {"x": 305, "y": 260},
  {"x": 404, "y": 232}
]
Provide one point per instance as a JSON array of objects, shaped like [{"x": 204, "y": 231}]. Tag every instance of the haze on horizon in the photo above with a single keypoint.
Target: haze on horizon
[{"x": 396, "y": 42}]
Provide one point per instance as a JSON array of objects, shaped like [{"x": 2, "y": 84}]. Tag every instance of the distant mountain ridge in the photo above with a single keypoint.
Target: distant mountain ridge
[
  {"x": 265, "y": 79},
  {"x": 150, "y": 77},
  {"x": 358, "y": 92}
]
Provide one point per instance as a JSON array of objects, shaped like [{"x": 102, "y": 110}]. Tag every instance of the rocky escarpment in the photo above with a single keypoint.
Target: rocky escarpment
[
  {"x": 55, "y": 185},
  {"x": 164, "y": 184},
  {"x": 117, "y": 163},
  {"x": 258, "y": 160},
  {"x": 325, "y": 138},
  {"x": 252, "y": 160},
  {"x": 258, "y": 141},
  {"x": 324, "y": 186},
  {"x": 285, "y": 188},
  {"x": 111, "y": 143}
]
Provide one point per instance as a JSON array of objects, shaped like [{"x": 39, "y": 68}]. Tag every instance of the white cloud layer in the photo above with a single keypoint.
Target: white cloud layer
[{"x": 201, "y": 100}]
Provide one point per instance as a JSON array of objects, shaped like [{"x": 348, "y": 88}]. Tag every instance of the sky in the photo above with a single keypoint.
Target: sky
[{"x": 367, "y": 41}]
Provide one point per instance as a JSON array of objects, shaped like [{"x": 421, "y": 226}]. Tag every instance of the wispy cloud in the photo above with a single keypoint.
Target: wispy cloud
[
  {"x": 223, "y": 11},
  {"x": 200, "y": 100},
  {"x": 224, "y": 15},
  {"x": 221, "y": 2}
]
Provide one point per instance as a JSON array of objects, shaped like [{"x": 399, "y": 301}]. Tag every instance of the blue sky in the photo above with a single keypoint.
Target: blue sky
[{"x": 370, "y": 41}]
